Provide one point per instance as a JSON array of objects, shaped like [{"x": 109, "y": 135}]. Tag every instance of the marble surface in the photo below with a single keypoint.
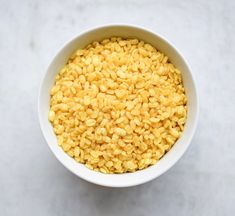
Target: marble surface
[{"x": 33, "y": 182}]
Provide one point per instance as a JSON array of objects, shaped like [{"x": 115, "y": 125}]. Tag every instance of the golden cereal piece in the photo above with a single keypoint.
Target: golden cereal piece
[
  {"x": 103, "y": 88},
  {"x": 120, "y": 132},
  {"x": 90, "y": 122},
  {"x": 51, "y": 115},
  {"x": 76, "y": 151},
  {"x": 121, "y": 74},
  {"x": 120, "y": 93}
]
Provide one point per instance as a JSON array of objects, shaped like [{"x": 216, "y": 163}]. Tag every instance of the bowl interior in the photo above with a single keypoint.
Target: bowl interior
[{"x": 128, "y": 179}]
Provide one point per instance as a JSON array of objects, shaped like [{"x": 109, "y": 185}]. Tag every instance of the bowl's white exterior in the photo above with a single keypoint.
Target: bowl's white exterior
[{"x": 128, "y": 179}]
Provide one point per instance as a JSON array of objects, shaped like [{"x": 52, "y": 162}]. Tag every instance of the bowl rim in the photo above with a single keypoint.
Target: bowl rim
[{"x": 194, "y": 123}]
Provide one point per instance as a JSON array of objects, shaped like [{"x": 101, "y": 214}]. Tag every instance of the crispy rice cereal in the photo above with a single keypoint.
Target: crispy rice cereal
[{"x": 118, "y": 105}]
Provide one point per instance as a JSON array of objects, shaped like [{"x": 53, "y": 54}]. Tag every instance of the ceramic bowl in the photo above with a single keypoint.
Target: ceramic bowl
[{"x": 171, "y": 157}]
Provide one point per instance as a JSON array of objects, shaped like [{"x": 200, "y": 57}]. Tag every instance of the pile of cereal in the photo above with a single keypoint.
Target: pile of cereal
[{"x": 118, "y": 105}]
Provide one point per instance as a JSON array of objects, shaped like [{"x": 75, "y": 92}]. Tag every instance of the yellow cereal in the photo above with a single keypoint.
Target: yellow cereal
[
  {"x": 154, "y": 120},
  {"x": 121, "y": 74},
  {"x": 87, "y": 100},
  {"x": 118, "y": 105},
  {"x": 90, "y": 122},
  {"x": 140, "y": 84},
  {"x": 109, "y": 164},
  {"x": 55, "y": 89},
  {"x": 120, "y": 93},
  {"x": 120, "y": 120},
  {"x": 130, "y": 165},
  {"x": 121, "y": 132},
  {"x": 76, "y": 151},
  {"x": 60, "y": 140},
  {"x": 135, "y": 112},
  {"x": 66, "y": 147},
  {"x": 51, "y": 115},
  {"x": 103, "y": 88},
  {"x": 82, "y": 79},
  {"x": 174, "y": 133}
]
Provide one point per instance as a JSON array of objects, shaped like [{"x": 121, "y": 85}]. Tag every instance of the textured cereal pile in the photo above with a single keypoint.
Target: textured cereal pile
[{"x": 118, "y": 105}]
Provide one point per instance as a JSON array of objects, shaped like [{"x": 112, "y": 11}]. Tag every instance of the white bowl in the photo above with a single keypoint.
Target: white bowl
[{"x": 127, "y": 179}]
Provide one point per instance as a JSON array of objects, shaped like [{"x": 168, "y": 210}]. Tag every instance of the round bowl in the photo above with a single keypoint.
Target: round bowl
[{"x": 171, "y": 157}]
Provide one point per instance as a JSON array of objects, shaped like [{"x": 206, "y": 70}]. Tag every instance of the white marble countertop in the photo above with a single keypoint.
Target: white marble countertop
[{"x": 33, "y": 182}]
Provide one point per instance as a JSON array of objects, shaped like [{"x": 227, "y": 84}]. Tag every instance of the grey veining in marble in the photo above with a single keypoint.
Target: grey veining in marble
[{"x": 33, "y": 182}]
